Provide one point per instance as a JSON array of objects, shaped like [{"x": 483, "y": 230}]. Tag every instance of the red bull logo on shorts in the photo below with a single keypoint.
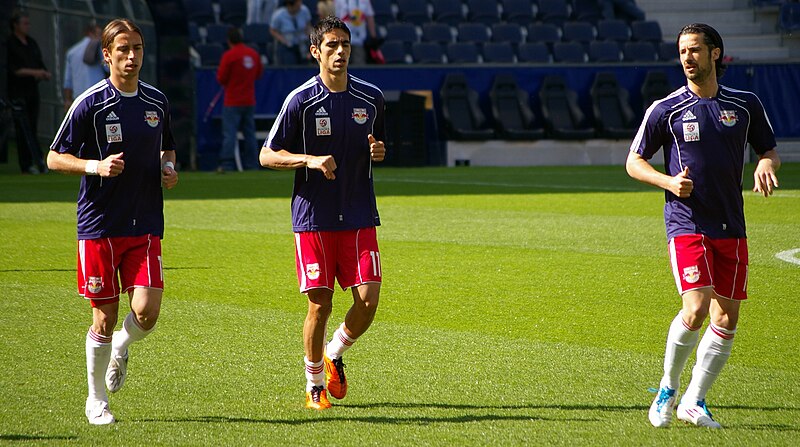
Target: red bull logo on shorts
[
  {"x": 94, "y": 284},
  {"x": 312, "y": 271},
  {"x": 691, "y": 274}
]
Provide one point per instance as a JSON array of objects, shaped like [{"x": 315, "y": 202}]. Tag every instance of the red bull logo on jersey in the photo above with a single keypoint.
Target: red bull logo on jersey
[
  {"x": 728, "y": 118},
  {"x": 312, "y": 271},
  {"x": 151, "y": 118},
  {"x": 94, "y": 284},
  {"x": 360, "y": 115},
  {"x": 691, "y": 274}
]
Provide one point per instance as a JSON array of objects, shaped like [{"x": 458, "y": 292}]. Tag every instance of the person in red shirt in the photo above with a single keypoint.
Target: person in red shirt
[{"x": 237, "y": 73}]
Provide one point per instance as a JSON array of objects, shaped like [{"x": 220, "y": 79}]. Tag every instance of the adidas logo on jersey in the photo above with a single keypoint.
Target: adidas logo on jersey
[
  {"x": 321, "y": 111},
  {"x": 689, "y": 116},
  {"x": 112, "y": 117}
]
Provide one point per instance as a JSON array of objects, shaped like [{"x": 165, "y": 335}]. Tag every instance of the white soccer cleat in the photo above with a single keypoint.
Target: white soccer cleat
[
  {"x": 697, "y": 413},
  {"x": 661, "y": 409},
  {"x": 117, "y": 372},
  {"x": 98, "y": 413}
]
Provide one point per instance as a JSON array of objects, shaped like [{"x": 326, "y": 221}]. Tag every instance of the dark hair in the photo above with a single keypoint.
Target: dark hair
[
  {"x": 116, "y": 27},
  {"x": 711, "y": 38},
  {"x": 327, "y": 25},
  {"x": 234, "y": 35},
  {"x": 16, "y": 16}
]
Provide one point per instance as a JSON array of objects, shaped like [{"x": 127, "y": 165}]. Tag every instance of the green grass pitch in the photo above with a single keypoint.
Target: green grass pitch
[{"x": 520, "y": 306}]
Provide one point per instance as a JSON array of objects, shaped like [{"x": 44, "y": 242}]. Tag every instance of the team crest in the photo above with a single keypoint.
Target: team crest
[
  {"x": 728, "y": 117},
  {"x": 691, "y": 274},
  {"x": 95, "y": 284},
  {"x": 360, "y": 115},
  {"x": 151, "y": 118},
  {"x": 312, "y": 271}
]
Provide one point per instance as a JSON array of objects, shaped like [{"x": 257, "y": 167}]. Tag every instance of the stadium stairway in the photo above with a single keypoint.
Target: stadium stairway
[{"x": 748, "y": 35}]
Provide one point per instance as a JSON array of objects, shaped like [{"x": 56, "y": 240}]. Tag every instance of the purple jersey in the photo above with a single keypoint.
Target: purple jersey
[
  {"x": 316, "y": 121},
  {"x": 103, "y": 121},
  {"x": 710, "y": 136}
]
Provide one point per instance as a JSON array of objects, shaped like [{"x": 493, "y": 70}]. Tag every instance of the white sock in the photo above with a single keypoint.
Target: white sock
[
  {"x": 98, "y": 353},
  {"x": 315, "y": 374},
  {"x": 339, "y": 343},
  {"x": 681, "y": 340},
  {"x": 712, "y": 354},
  {"x": 130, "y": 332}
]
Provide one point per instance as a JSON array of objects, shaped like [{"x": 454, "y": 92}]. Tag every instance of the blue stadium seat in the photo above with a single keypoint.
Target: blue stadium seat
[
  {"x": 234, "y": 12},
  {"x": 498, "y": 53},
  {"x": 586, "y": 11},
  {"x": 646, "y": 30},
  {"x": 639, "y": 52},
  {"x": 604, "y": 51},
  {"x": 413, "y": 11},
  {"x": 520, "y": 12},
  {"x": 450, "y": 12},
  {"x": 582, "y": 32},
  {"x": 534, "y": 52},
  {"x": 394, "y": 52},
  {"x": 563, "y": 118},
  {"x": 463, "y": 118},
  {"x": 482, "y": 11},
  {"x": 789, "y": 18},
  {"x": 544, "y": 32},
  {"x": 384, "y": 14},
  {"x": 553, "y": 11},
  {"x": 437, "y": 32},
  {"x": 613, "y": 115},
  {"x": 507, "y": 32},
  {"x": 403, "y": 32},
  {"x": 668, "y": 51},
  {"x": 200, "y": 11},
  {"x": 258, "y": 34},
  {"x": 473, "y": 32},
  {"x": 513, "y": 117},
  {"x": 463, "y": 53},
  {"x": 210, "y": 54},
  {"x": 654, "y": 87},
  {"x": 427, "y": 53},
  {"x": 217, "y": 33},
  {"x": 613, "y": 29},
  {"x": 569, "y": 52}
]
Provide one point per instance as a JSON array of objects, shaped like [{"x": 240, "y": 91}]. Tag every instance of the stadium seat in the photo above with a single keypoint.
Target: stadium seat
[
  {"x": 668, "y": 51},
  {"x": 437, "y": 32},
  {"x": 639, "y": 52},
  {"x": 450, "y": 12},
  {"x": 569, "y": 52},
  {"x": 217, "y": 33},
  {"x": 765, "y": 5},
  {"x": 654, "y": 87},
  {"x": 513, "y": 117},
  {"x": 384, "y": 14},
  {"x": 462, "y": 115},
  {"x": 507, "y": 32},
  {"x": 562, "y": 117},
  {"x": 521, "y": 12},
  {"x": 553, "y": 11},
  {"x": 403, "y": 32},
  {"x": 427, "y": 53},
  {"x": 498, "y": 53},
  {"x": 395, "y": 52},
  {"x": 646, "y": 30},
  {"x": 413, "y": 11},
  {"x": 614, "y": 29},
  {"x": 258, "y": 34},
  {"x": 613, "y": 115},
  {"x": 234, "y": 12},
  {"x": 463, "y": 53},
  {"x": 482, "y": 11},
  {"x": 582, "y": 32},
  {"x": 586, "y": 11},
  {"x": 473, "y": 32},
  {"x": 544, "y": 32},
  {"x": 200, "y": 11},
  {"x": 604, "y": 51},
  {"x": 534, "y": 52},
  {"x": 210, "y": 54}
]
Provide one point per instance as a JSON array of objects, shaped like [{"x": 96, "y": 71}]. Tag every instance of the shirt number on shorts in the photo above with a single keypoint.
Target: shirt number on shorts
[{"x": 376, "y": 263}]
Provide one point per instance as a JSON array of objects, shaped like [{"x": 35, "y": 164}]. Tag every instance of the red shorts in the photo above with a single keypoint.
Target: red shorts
[
  {"x": 137, "y": 261},
  {"x": 699, "y": 261},
  {"x": 350, "y": 256}
]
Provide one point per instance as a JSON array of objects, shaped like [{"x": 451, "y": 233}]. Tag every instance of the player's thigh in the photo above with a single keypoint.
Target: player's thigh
[
  {"x": 97, "y": 267},
  {"x": 692, "y": 262},
  {"x": 315, "y": 256},
  {"x": 358, "y": 258},
  {"x": 141, "y": 264}
]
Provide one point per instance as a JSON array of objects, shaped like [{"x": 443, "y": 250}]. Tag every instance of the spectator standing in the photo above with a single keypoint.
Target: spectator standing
[
  {"x": 290, "y": 26},
  {"x": 359, "y": 17},
  {"x": 80, "y": 74}
]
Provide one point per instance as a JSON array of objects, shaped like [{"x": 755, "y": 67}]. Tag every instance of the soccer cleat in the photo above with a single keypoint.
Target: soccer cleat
[
  {"x": 117, "y": 372},
  {"x": 697, "y": 413},
  {"x": 661, "y": 409},
  {"x": 98, "y": 413},
  {"x": 317, "y": 399},
  {"x": 335, "y": 380}
]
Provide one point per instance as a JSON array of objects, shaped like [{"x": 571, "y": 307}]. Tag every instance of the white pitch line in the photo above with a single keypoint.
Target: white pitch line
[{"x": 789, "y": 256}]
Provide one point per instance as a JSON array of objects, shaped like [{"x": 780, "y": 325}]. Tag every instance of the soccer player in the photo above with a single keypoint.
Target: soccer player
[
  {"x": 117, "y": 135},
  {"x": 330, "y": 130},
  {"x": 704, "y": 128}
]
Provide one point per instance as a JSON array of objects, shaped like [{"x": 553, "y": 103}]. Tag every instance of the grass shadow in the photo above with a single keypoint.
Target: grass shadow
[{"x": 23, "y": 437}]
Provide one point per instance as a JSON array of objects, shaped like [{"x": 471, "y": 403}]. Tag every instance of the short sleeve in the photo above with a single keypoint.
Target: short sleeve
[
  {"x": 761, "y": 135},
  {"x": 649, "y": 138}
]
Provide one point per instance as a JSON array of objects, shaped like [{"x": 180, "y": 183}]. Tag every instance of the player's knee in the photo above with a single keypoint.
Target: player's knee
[{"x": 147, "y": 318}]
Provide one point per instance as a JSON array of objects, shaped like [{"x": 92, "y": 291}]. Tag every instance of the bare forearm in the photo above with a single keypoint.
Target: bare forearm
[
  {"x": 168, "y": 156},
  {"x": 639, "y": 169},
  {"x": 66, "y": 163},
  {"x": 282, "y": 160}
]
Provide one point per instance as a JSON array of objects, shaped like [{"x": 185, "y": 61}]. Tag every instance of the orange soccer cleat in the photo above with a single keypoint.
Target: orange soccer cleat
[
  {"x": 335, "y": 380},
  {"x": 317, "y": 399}
]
